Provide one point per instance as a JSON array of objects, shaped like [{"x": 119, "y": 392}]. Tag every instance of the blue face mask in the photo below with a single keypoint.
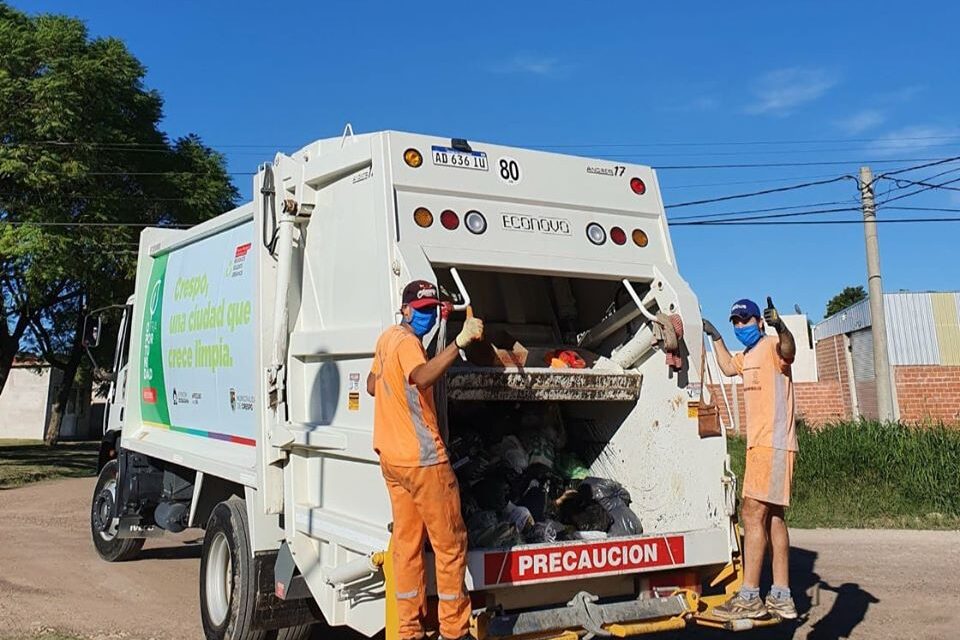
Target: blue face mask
[
  {"x": 422, "y": 321},
  {"x": 748, "y": 335}
]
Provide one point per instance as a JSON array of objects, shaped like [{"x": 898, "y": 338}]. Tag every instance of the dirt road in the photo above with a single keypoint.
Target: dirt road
[{"x": 875, "y": 584}]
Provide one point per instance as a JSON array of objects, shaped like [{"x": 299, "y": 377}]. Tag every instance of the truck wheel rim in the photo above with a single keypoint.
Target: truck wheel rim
[
  {"x": 106, "y": 526},
  {"x": 219, "y": 579}
]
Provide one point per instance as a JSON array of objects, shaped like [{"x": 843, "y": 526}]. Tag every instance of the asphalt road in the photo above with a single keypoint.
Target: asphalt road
[{"x": 879, "y": 585}]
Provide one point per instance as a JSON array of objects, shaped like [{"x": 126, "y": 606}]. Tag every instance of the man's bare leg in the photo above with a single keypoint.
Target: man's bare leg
[
  {"x": 756, "y": 518},
  {"x": 747, "y": 603},
  {"x": 780, "y": 546}
]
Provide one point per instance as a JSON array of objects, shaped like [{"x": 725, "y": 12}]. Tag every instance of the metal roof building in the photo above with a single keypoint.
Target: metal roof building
[{"x": 922, "y": 328}]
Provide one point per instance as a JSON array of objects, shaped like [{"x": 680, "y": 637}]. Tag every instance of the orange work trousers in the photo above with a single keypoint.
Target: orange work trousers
[{"x": 426, "y": 502}]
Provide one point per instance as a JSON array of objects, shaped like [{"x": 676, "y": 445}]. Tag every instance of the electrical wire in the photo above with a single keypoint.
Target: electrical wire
[
  {"x": 721, "y": 223},
  {"x": 711, "y": 143},
  {"x": 759, "y": 193},
  {"x": 694, "y": 216},
  {"x": 52, "y": 223}
]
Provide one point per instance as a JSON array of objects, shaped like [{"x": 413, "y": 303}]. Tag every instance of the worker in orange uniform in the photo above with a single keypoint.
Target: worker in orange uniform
[
  {"x": 771, "y": 448},
  {"x": 423, "y": 488}
]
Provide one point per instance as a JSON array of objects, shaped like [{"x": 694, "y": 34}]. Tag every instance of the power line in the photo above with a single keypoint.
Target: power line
[
  {"x": 51, "y": 223},
  {"x": 741, "y": 182},
  {"x": 710, "y": 143},
  {"x": 922, "y": 166},
  {"x": 722, "y": 223},
  {"x": 695, "y": 216},
  {"x": 759, "y": 193},
  {"x": 759, "y": 165},
  {"x": 920, "y": 190},
  {"x": 904, "y": 181}
]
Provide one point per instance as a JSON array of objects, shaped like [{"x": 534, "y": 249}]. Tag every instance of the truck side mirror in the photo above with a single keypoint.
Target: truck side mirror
[{"x": 92, "y": 325}]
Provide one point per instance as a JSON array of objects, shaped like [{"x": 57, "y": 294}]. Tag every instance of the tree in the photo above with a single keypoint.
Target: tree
[
  {"x": 84, "y": 167},
  {"x": 847, "y": 297}
]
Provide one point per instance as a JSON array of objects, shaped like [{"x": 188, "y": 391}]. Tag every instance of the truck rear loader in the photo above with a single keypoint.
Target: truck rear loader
[{"x": 239, "y": 404}]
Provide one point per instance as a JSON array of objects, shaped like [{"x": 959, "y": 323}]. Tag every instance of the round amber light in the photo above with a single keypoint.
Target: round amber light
[
  {"x": 640, "y": 238},
  {"x": 423, "y": 217},
  {"x": 413, "y": 158}
]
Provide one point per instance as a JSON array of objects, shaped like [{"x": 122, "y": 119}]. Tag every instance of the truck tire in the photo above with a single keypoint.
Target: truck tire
[
  {"x": 301, "y": 632},
  {"x": 228, "y": 586},
  {"x": 105, "y": 540}
]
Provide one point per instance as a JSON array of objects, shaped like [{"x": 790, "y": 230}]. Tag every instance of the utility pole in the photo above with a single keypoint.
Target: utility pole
[{"x": 878, "y": 321}]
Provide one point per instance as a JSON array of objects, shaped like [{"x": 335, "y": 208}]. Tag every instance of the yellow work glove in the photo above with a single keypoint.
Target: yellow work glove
[{"x": 471, "y": 332}]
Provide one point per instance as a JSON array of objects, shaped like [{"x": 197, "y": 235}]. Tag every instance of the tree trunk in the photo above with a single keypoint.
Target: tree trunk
[
  {"x": 60, "y": 403},
  {"x": 6, "y": 363}
]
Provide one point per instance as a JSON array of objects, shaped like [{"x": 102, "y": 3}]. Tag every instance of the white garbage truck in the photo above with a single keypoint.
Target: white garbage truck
[{"x": 238, "y": 403}]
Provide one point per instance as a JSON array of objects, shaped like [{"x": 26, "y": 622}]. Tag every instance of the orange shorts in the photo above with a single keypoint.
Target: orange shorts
[{"x": 769, "y": 475}]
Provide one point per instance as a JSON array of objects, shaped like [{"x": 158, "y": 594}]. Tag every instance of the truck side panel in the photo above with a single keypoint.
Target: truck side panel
[{"x": 193, "y": 369}]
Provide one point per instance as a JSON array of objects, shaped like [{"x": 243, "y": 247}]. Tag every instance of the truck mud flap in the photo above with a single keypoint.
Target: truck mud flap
[{"x": 583, "y": 612}]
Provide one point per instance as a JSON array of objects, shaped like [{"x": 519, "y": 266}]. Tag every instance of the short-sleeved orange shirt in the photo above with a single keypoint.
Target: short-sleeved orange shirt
[
  {"x": 405, "y": 429},
  {"x": 768, "y": 395}
]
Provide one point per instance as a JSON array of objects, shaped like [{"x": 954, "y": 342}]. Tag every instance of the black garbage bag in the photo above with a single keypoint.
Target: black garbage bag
[
  {"x": 546, "y": 531},
  {"x": 492, "y": 492},
  {"x": 464, "y": 443},
  {"x": 534, "y": 498},
  {"x": 472, "y": 469},
  {"x": 615, "y": 500},
  {"x": 593, "y": 517}
]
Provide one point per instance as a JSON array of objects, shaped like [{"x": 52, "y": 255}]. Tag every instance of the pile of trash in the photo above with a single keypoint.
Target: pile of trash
[{"x": 521, "y": 482}]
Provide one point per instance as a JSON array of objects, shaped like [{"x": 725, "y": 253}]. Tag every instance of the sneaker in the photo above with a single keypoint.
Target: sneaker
[
  {"x": 782, "y": 607},
  {"x": 739, "y": 608}
]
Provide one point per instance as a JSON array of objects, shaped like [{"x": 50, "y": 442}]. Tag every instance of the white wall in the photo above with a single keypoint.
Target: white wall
[{"x": 23, "y": 403}]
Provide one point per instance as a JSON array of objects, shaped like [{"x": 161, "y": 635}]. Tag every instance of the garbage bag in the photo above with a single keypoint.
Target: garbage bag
[
  {"x": 570, "y": 467},
  {"x": 481, "y": 527},
  {"x": 534, "y": 498},
  {"x": 518, "y": 516},
  {"x": 492, "y": 492},
  {"x": 484, "y": 530},
  {"x": 546, "y": 531},
  {"x": 511, "y": 452},
  {"x": 464, "y": 443},
  {"x": 593, "y": 517},
  {"x": 468, "y": 505},
  {"x": 615, "y": 500},
  {"x": 473, "y": 469},
  {"x": 540, "y": 445}
]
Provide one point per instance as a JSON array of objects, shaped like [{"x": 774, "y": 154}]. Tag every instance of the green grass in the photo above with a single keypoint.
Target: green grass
[
  {"x": 871, "y": 475},
  {"x": 26, "y": 461}
]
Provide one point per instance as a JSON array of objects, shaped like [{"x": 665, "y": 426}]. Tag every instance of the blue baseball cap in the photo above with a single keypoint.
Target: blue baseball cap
[{"x": 745, "y": 309}]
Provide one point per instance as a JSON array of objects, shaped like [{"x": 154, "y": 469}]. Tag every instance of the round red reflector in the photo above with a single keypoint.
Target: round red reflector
[
  {"x": 618, "y": 235},
  {"x": 638, "y": 187},
  {"x": 449, "y": 220}
]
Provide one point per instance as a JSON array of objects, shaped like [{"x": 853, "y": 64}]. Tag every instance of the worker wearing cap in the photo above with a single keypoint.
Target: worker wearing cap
[
  {"x": 771, "y": 447},
  {"x": 423, "y": 488}
]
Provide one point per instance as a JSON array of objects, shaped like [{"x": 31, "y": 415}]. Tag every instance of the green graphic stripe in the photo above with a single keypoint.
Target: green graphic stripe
[{"x": 153, "y": 391}]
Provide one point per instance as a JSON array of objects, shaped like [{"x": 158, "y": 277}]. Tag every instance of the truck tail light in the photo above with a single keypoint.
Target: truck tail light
[
  {"x": 618, "y": 235},
  {"x": 413, "y": 158},
  {"x": 596, "y": 234},
  {"x": 423, "y": 217},
  {"x": 475, "y": 222},
  {"x": 640, "y": 238},
  {"x": 637, "y": 186},
  {"x": 449, "y": 220}
]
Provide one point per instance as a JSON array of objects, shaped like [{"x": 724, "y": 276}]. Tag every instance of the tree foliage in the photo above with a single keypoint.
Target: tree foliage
[
  {"x": 83, "y": 167},
  {"x": 847, "y": 297}
]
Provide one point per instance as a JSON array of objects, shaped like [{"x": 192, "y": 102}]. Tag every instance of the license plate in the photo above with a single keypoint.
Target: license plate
[{"x": 449, "y": 157}]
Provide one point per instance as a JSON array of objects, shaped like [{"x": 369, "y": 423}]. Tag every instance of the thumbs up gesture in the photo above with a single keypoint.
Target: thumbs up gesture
[{"x": 771, "y": 316}]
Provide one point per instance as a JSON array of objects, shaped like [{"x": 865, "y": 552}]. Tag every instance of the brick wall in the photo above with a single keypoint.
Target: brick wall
[
  {"x": 928, "y": 392},
  {"x": 832, "y": 367},
  {"x": 816, "y": 402}
]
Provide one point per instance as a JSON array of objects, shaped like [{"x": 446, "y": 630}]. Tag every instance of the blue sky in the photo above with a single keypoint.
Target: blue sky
[{"x": 664, "y": 84}]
